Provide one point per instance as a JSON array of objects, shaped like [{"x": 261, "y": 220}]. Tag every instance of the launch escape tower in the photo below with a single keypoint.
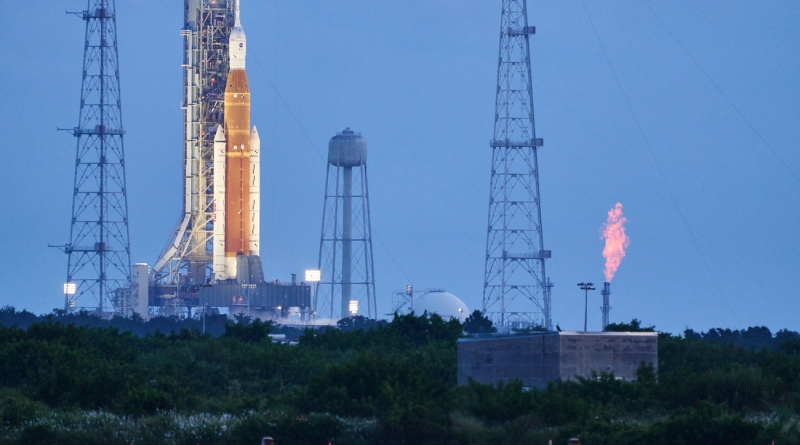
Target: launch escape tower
[
  {"x": 99, "y": 264},
  {"x": 345, "y": 247},
  {"x": 188, "y": 256},
  {"x": 516, "y": 291}
]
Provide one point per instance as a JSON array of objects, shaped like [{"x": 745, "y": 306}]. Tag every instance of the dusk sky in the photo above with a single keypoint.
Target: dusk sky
[{"x": 686, "y": 112}]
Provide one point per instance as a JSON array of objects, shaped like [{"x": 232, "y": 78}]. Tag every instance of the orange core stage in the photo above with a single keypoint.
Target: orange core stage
[{"x": 237, "y": 165}]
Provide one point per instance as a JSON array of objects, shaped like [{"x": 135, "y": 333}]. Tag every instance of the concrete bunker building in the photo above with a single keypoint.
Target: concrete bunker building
[{"x": 542, "y": 357}]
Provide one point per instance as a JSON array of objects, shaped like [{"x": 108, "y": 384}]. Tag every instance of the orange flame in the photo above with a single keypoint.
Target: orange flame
[{"x": 616, "y": 241}]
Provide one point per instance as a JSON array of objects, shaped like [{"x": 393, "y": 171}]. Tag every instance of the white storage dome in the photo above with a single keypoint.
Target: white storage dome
[{"x": 443, "y": 303}]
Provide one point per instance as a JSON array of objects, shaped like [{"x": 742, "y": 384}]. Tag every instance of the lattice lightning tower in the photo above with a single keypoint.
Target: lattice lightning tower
[
  {"x": 516, "y": 291},
  {"x": 99, "y": 264}
]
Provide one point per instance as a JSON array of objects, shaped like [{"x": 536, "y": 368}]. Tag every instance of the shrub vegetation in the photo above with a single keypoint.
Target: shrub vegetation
[{"x": 71, "y": 379}]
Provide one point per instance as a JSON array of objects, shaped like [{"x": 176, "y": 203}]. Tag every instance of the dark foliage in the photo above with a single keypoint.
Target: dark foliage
[
  {"x": 477, "y": 323},
  {"x": 215, "y": 324},
  {"x": 753, "y": 337},
  {"x": 358, "y": 322},
  {"x": 634, "y": 326},
  {"x": 249, "y": 331},
  {"x": 382, "y": 383}
]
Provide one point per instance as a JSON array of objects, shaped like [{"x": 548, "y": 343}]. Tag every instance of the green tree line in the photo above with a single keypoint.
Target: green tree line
[{"x": 66, "y": 381}]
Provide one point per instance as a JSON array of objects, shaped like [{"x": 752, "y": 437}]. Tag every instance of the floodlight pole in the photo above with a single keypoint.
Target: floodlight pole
[{"x": 586, "y": 287}]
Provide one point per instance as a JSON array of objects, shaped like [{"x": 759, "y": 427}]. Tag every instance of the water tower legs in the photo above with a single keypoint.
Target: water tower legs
[{"x": 347, "y": 239}]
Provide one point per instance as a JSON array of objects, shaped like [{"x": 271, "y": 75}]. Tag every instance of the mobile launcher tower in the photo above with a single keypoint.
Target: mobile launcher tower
[{"x": 213, "y": 257}]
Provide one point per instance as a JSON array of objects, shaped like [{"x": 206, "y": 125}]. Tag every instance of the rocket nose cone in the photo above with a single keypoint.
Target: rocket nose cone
[
  {"x": 220, "y": 135},
  {"x": 254, "y": 134}
]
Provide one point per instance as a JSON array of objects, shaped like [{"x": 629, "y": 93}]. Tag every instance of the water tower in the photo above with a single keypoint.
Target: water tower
[{"x": 347, "y": 284}]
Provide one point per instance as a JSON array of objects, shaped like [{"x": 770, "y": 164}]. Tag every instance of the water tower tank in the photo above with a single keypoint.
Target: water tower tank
[{"x": 347, "y": 149}]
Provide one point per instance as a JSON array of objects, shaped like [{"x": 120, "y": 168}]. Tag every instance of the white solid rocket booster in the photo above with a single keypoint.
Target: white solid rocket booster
[
  {"x": 255, "y": 191},
  {"x": 219, "y": 205}
]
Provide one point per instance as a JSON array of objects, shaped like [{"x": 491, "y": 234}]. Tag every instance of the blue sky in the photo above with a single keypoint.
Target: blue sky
[{"x": 417, "y": 78}]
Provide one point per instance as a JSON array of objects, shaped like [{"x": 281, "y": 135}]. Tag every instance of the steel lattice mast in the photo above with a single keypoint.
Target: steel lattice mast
[
  {"x": 516, "y": 290},
  {"x": 99, "y": 264}
]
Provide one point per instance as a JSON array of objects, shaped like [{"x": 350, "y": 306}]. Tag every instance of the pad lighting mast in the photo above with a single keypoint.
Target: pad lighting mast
[
  {"x": 515, "y": 290},
  {"x": 586, "y": 287}
]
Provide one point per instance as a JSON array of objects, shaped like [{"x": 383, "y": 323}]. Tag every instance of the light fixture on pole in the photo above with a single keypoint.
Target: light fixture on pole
[
  {"x": 586, "y": 287},
  {"x": 70, "y": 288},
  {"x": 313, "y": 276}
]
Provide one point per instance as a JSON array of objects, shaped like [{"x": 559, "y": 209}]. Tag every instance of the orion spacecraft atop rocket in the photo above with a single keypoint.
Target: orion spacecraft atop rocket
[{"x": 237, "y": 173}]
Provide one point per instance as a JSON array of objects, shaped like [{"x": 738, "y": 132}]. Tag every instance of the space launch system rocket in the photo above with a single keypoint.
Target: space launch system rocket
[{"x": 237, "y": 173}]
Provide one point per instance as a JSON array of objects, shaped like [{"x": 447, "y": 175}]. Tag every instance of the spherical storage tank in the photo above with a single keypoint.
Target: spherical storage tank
[
  {"x": 347, "y": 149},
  {"x": 443, "y": 303}
]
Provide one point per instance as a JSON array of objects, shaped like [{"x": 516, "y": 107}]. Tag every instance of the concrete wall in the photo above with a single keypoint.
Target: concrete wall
[
  {"x": 530, "y": 358},
  {"x": 268, "y": 294},
  {"x": 542, "y": 357},
  {"x": 617, "y": 352}
]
